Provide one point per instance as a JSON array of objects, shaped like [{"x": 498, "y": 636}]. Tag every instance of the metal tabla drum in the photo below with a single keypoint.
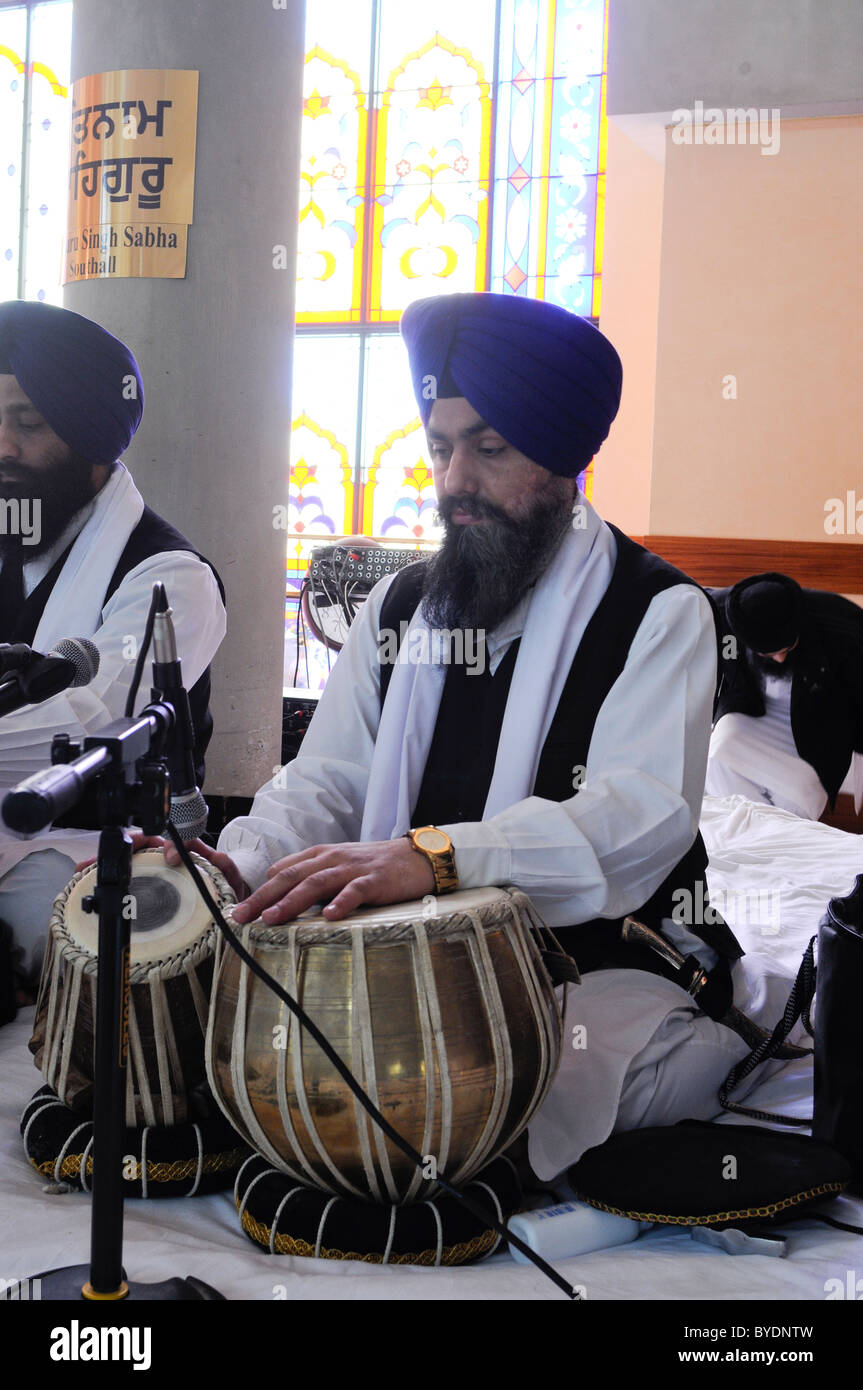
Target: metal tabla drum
[
  {"x": 441, "y": 1009},
  {"x": 171, "y": 958}
]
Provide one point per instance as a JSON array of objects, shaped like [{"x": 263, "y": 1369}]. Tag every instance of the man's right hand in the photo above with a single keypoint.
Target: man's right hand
[{"x": 222, "y": 862}]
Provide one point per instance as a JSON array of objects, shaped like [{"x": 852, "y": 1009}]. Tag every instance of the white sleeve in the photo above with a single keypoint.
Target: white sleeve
[
  {"x": 606, "y": 850},
  {"x": 199, "y": 622},
  {"x": 318, "y": 798}
]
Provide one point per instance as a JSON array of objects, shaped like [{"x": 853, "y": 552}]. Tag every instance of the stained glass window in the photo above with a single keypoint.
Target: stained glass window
[
  {"x": 333, "y": 173},
  {"x": 13, "y": 46},
  {"x": 35, "y": 44},
  {"x": 397, "y": 502},
  {"x": 432, "y": 158},
  {"x": 450, "y": 147},
  {"x": 445, "y": 148}
]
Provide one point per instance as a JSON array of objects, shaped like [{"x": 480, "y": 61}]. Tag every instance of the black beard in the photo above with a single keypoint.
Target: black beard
[
  {"x": 776, "y": 668},
  {"x": 481, "y": 572},
  {"x": 62, "y": 490}
]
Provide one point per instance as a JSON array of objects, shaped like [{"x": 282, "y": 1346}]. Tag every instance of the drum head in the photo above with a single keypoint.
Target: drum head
[
  {"x": 166, "y": 913},
  {"x": 447, "y": 905}
]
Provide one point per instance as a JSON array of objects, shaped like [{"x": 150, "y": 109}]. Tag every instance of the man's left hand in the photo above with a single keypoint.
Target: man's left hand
[{"x": 344, "y": 877}]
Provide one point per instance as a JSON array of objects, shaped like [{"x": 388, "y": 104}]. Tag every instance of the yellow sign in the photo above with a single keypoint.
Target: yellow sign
[{"x": 131, "y": 174}]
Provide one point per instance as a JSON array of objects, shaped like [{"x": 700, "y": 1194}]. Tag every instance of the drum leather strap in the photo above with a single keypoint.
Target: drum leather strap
[{"x": 560, "y": 965}]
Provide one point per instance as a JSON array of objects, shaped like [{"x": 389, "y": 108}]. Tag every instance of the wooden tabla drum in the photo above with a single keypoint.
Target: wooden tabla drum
[
  {"x": 171, "y": 958},
  {"x": 441, "y": 1009}
]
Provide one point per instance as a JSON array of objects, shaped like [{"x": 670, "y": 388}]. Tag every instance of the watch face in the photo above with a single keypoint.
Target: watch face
[{"x": 435, "y": 841}]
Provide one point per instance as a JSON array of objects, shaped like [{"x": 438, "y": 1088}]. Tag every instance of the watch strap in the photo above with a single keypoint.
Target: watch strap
[{"x": 442, "y": 861}]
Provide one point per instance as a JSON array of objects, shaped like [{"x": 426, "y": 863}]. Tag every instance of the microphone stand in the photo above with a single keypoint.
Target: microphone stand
[{"x": 114, "y": 759}]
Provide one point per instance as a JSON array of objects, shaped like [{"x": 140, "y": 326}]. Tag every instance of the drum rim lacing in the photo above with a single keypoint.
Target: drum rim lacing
[
  {"x": 490, "y": 915},
  {"x": 68, "y": 963},
  {"x": 140, "y": 972}
]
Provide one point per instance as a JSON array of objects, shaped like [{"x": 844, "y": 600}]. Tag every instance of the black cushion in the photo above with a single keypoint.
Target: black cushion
[
  {"x": 288, "y": 1218},
  {"x": 698, "y": 1174}
]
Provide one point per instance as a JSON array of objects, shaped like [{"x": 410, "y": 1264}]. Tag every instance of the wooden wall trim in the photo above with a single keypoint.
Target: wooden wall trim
[
  {"x": 843, "y": 816},
  {"x": 721, "y": 560}
]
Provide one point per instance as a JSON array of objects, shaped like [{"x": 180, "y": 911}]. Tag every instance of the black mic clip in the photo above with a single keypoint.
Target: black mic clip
[
  {"x": 147, "y": 792},
  {"x": 149, "y": 796},
  {"x": 151, "y": 802}
]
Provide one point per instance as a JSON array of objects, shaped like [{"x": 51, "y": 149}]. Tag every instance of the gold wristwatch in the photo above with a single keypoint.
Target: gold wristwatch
[{"x": 436, "y": 845}]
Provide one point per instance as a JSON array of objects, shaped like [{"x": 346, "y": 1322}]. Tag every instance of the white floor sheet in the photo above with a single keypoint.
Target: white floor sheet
[{"x": 771, "y": 874}]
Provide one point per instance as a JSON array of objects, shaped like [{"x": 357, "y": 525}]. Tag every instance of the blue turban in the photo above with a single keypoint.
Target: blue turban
[
  {"x": 545, "y": 379},
  {"x": 76, "y": 374}
]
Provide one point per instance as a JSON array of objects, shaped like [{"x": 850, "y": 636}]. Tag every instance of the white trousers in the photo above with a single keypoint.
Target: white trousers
[
  {"x": 756, "y": 758},
  {"x": 637, "y": 1052}
]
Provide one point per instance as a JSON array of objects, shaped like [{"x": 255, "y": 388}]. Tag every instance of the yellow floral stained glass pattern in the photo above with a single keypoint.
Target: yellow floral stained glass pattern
[
  {"x": 332, "y": 192},
  {"x": 482, "y": 167},
  {"x": 31, "y": 265},
  {"x": 431, "y": 179},
  {"x": 400, "y": 465}
]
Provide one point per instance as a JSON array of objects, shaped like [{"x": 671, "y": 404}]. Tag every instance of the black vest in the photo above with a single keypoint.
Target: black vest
[
  {"x": 464, "y": 745},
  {"x": 152, "y": 536}
]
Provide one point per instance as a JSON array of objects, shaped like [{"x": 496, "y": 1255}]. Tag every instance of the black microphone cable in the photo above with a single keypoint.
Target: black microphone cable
[{"x": 142, "y": 654}]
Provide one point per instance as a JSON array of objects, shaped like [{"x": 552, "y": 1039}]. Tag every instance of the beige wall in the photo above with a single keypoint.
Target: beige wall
[
  {"x": 760, "y": 277},
  {"x": 630, "y": 307}
]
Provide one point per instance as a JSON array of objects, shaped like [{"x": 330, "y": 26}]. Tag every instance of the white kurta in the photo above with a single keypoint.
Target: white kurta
[
  {"x": 601, "y": 853},
  {"x": 74, "y": 609}
]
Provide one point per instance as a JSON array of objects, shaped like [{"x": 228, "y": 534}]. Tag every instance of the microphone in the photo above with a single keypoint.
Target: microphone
[
  {"x": 189, "y": 810},
  {"x": 84, "y": 654},
  {"x": 47, "y": 795},
  {"x": 73, "y": 662}
]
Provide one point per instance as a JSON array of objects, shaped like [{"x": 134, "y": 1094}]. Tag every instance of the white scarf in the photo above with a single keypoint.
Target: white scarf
[
  {"x": 74, "y": 607},
  {"x": 561, "y": 605}
]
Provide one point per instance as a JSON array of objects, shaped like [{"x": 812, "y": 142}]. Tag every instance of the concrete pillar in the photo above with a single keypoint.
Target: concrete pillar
[
  {"x": 215, "y": 348},
  {"x": 800, "y": 55}
]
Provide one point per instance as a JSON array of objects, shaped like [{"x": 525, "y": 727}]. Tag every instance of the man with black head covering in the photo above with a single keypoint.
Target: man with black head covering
[
  {"x": 562, "y": 750},
  {"x": 789, "y": 713},
  {"x": 79, "y": 554}
]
